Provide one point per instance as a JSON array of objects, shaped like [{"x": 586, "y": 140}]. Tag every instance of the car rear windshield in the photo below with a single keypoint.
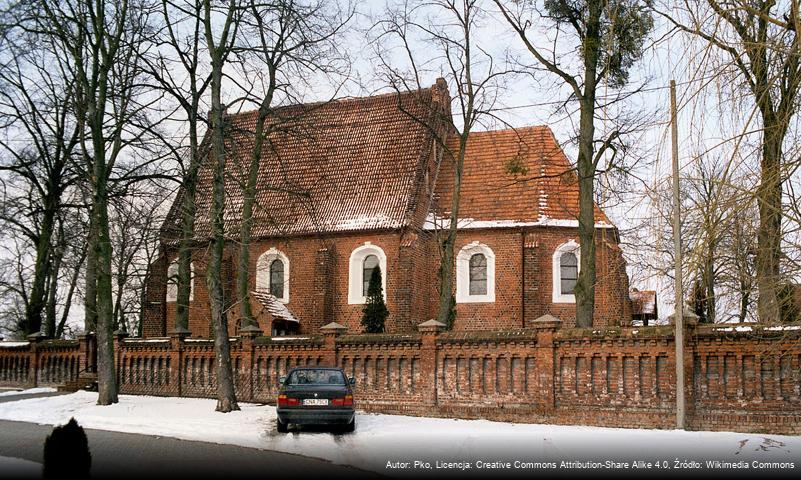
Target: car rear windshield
[{"x": 316, "y": 377}]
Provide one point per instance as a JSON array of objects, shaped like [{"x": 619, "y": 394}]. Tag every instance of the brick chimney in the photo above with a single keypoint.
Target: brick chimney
[{"x": 440, "y": 94}]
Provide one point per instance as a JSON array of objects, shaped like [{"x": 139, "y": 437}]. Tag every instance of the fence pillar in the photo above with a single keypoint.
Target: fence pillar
[
  {"x": 88, "y": 352},
  {"x": 429, "y": 361},
  {"x": 248, "y": 335},
  {"x": 119, "y": 337},
  {"x": 545, "y": 367},
  {"x": 35, "y": 353},
  {"x": 331, "y": 331},
  {"x": 177, "y": 338},
  {"x": 690, "y": 322}
]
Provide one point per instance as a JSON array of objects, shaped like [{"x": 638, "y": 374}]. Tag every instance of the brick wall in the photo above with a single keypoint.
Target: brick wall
[
  {"x": 154, "y": 309},
  {"x": 746, "y": 380},
  {"x": 319, "y": 269},
  {"x": 612, "y": 304},
  {"x": 44, "y": 363}
]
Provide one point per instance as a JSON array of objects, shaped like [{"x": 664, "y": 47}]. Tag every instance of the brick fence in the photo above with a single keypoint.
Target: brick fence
[{"x": 739, "y": 378}]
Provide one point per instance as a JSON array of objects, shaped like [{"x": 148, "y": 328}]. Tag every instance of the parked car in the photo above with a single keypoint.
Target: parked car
[{"x": 316, "y": 396}]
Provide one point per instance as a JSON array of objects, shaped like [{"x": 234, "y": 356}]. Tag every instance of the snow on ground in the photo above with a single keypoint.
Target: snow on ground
[
  {"x": 382, "y": 438},
  {"x": 7, "y": 393}
]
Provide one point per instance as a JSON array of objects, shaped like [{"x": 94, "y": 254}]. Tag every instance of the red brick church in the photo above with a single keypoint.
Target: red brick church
[{"x": 362, "y": 183}]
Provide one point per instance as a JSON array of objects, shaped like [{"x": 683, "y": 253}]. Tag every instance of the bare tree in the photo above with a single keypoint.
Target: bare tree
[
  {"x": 443, "y": 33},
  {"x": 219, "y": 45},
  {"x": 102, "y": 42},
  {"x": 180, "y": 72},
  {"x": 760, "y": 40},
  {"x": 609, "y": 36},
  {"x": 283, "y": 44},
  {"x": 36, "y": 96}
]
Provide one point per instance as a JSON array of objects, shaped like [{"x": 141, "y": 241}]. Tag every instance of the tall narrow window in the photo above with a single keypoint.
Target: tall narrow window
[
  {"x": 273, "y": 275},
  {"x": 569, "y": 273},
  {"x": 172, "y": 281},
  {"x": 370, "y": 263},
  {"x": 363, "y": 261},
  {"x": 475, "y": 274},
  {"x": 478, "y": 274},
  {"x": 277, "y": 278},
  {"x": 566, "y": 263}
]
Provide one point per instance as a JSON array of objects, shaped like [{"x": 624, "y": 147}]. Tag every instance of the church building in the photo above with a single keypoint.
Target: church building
[{"x": 355, "y": 184}]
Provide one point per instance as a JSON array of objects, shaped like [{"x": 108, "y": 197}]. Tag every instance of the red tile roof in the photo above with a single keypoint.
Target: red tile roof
[
  {"x": 346, "y": 165},
  {"x": 515, "y": 175},
  {"x": 357, "y": 164},
  {"x": 274, "y": 307}
]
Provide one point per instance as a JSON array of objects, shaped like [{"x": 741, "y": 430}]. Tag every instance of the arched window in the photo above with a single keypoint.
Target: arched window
[
  {"x": 565, "y": 272},
  {"x": 272, "y": 274},
  {"x": 172, "y": 281},
  {"x": 478, "y": 274},
  {"x": 277, "y": 278},
  {"x": 475, "y": 274},
  {"x": 362, "y": 262},
  {"x": 568, "y": 274},
  {"x": 370, "y": 264}
]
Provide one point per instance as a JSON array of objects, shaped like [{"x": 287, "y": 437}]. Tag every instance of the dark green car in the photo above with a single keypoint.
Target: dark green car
[{"x": 316, "y": 396}]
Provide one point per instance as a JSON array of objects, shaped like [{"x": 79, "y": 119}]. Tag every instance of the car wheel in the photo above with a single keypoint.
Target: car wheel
[
  {"x": 350, "y": 427},
  {"x": 281, "y": 427}
]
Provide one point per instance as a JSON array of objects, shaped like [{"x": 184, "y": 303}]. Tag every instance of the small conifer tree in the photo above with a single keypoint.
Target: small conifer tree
[{"x": 375, "y": 310}]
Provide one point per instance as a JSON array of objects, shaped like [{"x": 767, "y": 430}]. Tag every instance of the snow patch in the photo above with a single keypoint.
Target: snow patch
[
  {"x": 29, "y": 391},
  {"x": 382, "y": 438},
  {"x": 363, "y": 222},
  {"x": 14, "y": 344},
  {"x": 434, "y": 222},
  {"x": 782, "y": 328}
]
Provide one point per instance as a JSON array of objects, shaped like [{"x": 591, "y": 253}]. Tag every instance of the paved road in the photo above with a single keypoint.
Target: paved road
[
  {"x": 23, "y": 396},
  {"x": 125, "y": 455}
]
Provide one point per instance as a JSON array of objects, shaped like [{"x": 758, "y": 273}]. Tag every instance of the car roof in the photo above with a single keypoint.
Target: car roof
[{"x": 317, "y": 368}]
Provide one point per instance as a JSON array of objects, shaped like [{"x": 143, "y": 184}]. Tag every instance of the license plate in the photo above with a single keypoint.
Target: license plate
[{"x": 315, "y": 401}]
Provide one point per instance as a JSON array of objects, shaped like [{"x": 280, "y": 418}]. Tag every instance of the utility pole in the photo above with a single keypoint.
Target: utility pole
[{"x": 679, "y": 287}]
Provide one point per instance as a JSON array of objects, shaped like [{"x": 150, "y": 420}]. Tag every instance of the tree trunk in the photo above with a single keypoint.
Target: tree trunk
[
  {"x": 248, "y": 199},
  {"x": 90, "y": 290},
  {"x": 106, "y": 371},
  {"x": 446, "y": 301},
  {"x": 37, "y": 298},
  {"x": 769, "y": 198},
  {"x": 52, "y": 294},
  {"x": 709, "y": 286},
  {"x": 187, "y": 229},
  {"x": 226, "y": 395},
  {"x": 585, "y": 285}
]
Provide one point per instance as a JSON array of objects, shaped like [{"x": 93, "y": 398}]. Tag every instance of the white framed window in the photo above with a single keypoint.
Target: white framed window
[
  {"x": 172, "y": 281},
  {"x": 475, "y": 274},
  {"x": 272, "y": 274},
  {"x": 362, "y": 262},
  {"x": 566, "y": 261}
]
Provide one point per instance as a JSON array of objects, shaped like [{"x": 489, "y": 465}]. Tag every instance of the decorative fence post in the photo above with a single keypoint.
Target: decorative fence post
[
  {"x": 33, "y": 370},
  {"x": 248, "y": 335},
  {"x": 428, "y": 359},
  {"x": 119, "y": 337},
  {"x": 690, "y": 322},
  {"x": 177, "y": 338},
  {"x": 546, "y": 326},
  {"x": 88, "y": 352},
  {"x": 331, "y": 331}
]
